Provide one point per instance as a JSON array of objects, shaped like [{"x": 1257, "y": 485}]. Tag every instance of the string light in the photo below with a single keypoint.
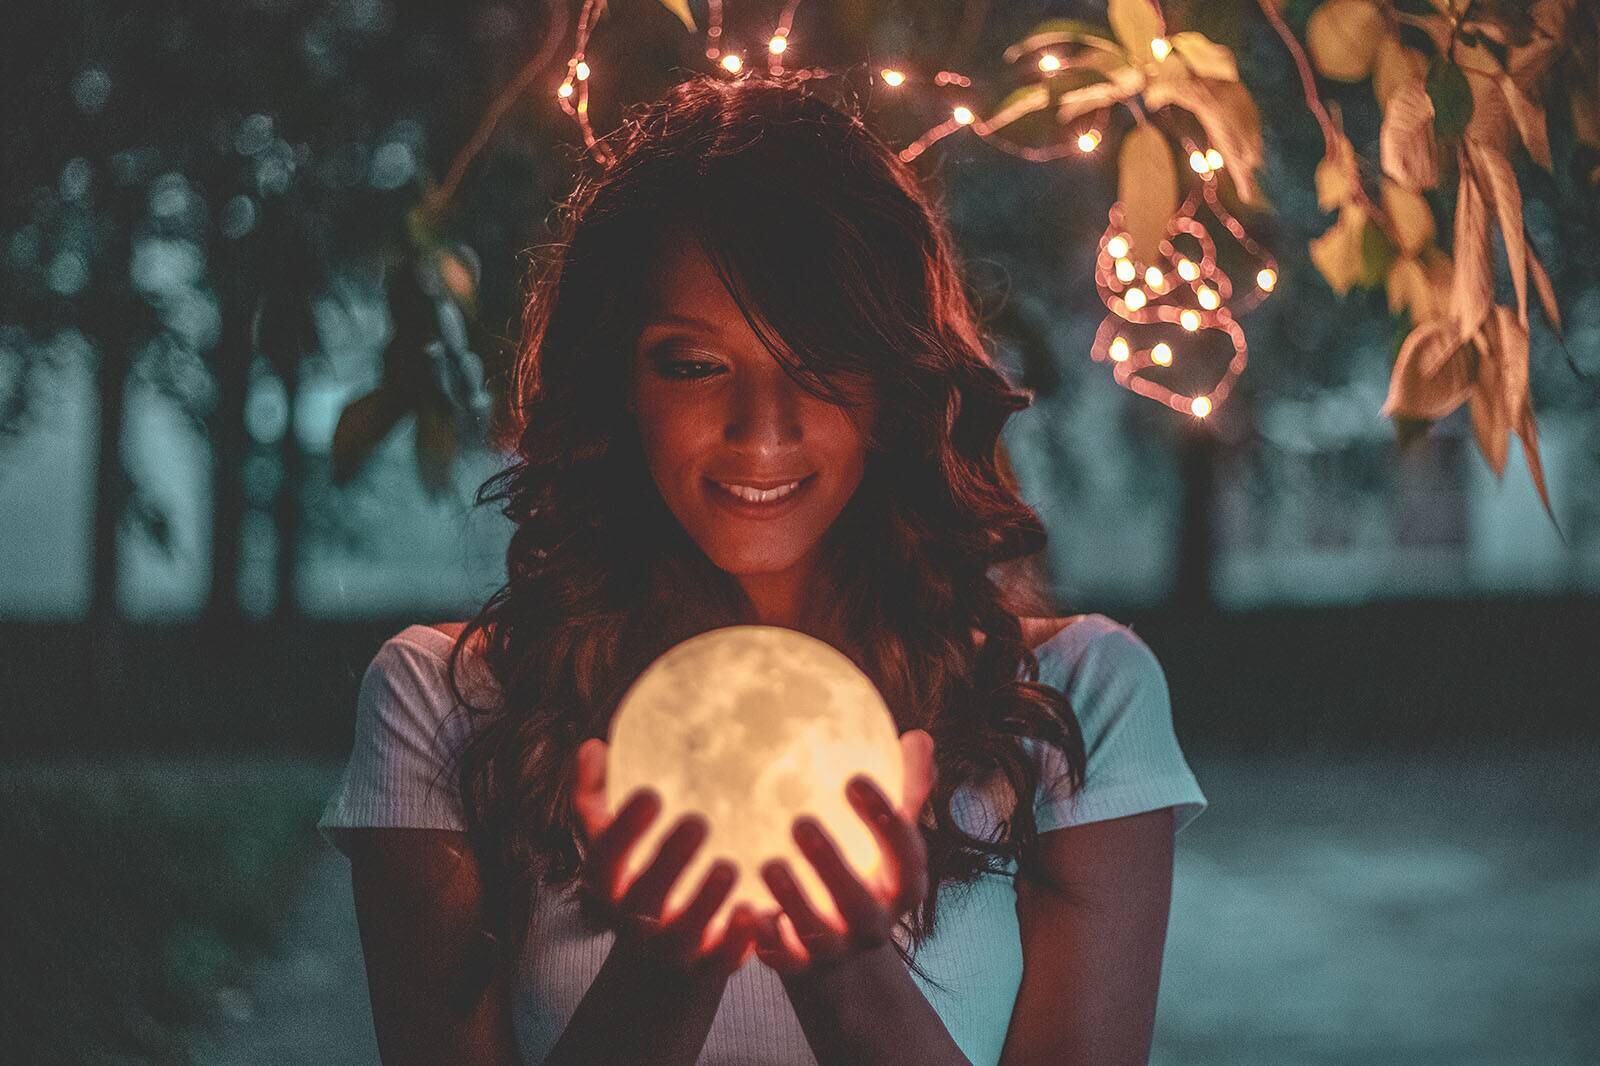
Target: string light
[{"x": 1162, "y": 306}]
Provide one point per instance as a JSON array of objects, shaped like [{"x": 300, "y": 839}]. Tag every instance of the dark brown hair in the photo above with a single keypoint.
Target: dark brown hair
[{"x": 842, "y": 267}]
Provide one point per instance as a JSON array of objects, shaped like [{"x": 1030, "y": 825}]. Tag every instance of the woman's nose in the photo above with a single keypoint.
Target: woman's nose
[{"x": 764, "y": 410}]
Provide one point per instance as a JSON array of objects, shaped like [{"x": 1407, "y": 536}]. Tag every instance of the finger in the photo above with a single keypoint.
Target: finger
[
  {"x": 612, "y": 845},
  {"x": 685, "y": 934},
  {"x": 904, "y": 853},
  {"x": 816, "y": 933},
  {"x": 863, "y": 913},
  {"x": 589, "y": 794},
  {"x": 916, "y": 754},
  {"x": 784, "y": 954},
  {"x": 648, "y": 893},
  {"x": 737, "y": 944}
]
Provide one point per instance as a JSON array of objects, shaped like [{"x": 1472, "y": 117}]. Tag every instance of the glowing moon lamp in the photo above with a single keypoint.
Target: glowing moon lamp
[{"x": 752, "y": 725}]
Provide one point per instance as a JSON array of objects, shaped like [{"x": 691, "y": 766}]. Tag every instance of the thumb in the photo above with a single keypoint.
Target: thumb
[
  {"x": 589, "y": 789},
  {"x": 916, "y": 750}
]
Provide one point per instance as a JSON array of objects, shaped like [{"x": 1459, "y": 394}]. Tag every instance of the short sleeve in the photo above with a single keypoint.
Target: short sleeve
[
  {"x": 401, "y": 772},
  {"x": 1118, "y": 691}
]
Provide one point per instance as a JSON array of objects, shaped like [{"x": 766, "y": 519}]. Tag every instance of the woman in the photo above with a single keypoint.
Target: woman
[{"x": 753, "y": 391}]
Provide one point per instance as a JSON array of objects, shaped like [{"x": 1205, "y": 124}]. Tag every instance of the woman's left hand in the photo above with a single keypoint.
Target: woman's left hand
[{"x": 797, "y": 939}]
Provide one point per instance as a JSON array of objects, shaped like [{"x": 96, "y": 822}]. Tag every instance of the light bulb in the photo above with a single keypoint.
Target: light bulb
[
  {"x": 1201, "y": 406},
  {"x": 1208, "y": 298},
  {"x": 565, "y": 90},
  {"x": 1134, "y": 299},
  {"x": 1213, "y": 159},
  {"x": 1088, "y": 140},
  {"x": 1049, "y": 62},
  {"x": 1161, "y": 354},
  {"x": 1119, "y": 349},
  {"x": 1187, "y": 270},
  {"x": 1154, "y": 278},
  {"x": 1161, "y": 48},
  {"x": 732, "y": 63},
  {"x": 1117, "y": 247},
  {"x": 1189, "y": 319},
  {"x": 777, "y": 45},
  {"x": 893, "y": 78},
  {"x": 1267, "y": 278},
  {"x": 1125, "y": 270},
  {"x": 582, "y": 70},
  {"x": 1197, "y": 162},
  {"x": 963, "y": 115}
]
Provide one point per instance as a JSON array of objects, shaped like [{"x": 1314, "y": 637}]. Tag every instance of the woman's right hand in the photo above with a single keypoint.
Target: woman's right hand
[{"x": 635, "y": 911}]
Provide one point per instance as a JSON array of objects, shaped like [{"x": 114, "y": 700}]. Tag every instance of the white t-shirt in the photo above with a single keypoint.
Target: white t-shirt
[{"x": 399, "y": 775}]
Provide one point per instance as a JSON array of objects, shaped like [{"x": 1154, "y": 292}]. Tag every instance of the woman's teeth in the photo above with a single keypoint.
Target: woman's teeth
[{"x": 759, "y": 495}]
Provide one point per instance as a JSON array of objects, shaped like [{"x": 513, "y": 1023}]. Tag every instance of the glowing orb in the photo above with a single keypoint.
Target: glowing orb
[{"x": 751, "y": 726}]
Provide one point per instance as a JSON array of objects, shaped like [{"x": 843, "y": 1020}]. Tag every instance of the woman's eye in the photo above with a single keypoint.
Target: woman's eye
[{"x": 687, "y": 369}]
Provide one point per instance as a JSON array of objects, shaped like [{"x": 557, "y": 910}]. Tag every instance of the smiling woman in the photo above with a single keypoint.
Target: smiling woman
[{"x": 754, "y": 391}]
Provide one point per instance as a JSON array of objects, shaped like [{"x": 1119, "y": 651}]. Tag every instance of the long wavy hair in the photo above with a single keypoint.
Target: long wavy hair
[{"x": 842, "y": 267}]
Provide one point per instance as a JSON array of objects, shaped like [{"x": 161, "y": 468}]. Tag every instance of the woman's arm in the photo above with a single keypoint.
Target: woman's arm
[
  {"x": 439, "y": 995},
  {"x": 868, "y": 1010},
  {"x": 437, "y": 992},
  {"x": 1092, "y": 941}
]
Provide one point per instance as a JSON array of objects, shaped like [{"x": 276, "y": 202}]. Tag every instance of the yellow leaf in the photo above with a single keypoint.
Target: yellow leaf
[
  {"x": 1472, "y": 288},
  {"x": 1491, "y": 421},
  {"x": 1512, "y": 346},
  {"x": 1147, "y": 185},
  {"x": 1546, "y": 291},
  {"x": 1431, "y": 377},
  {"x": 1089, "y": 98},
  {"x": 1227, "y": 112},
  {"x": 681, "y": 9},
  {"x": 1493, "y": 171},
  {"x": 1205, "y": 57},
  {"x": 1528, "y": 115},
  {"x": 1136, "y": 23},
  {"x": 1342, "y": 37},
  {"x": 1407, "y": 149},
  {"x": 1410, "y": 290},
  {"x": 1025, "y": 101},
  {"x": 1410, "y": 214},
  {"x": 1396, "y": 66},
  {"x": 1336, "y": 178},
  {"x": 1337, "y": 253}
]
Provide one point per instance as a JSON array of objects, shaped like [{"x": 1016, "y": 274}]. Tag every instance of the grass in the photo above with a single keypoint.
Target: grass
[{"x": 133, "y": 890}]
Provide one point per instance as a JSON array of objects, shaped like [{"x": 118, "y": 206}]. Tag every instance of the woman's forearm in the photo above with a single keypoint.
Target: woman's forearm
[
  {"x": 867, "y": 1011},
  {"x": 639, "y": 1011}
]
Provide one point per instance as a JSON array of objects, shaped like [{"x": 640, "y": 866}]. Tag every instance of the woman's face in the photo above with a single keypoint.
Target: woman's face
[{"x": 715, "y": 408}]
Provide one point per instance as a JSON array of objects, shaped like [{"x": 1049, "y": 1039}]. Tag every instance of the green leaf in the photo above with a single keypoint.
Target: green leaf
[
  {"x": 1452, "y": 98},
  {"x": 1377, "y": 255}
]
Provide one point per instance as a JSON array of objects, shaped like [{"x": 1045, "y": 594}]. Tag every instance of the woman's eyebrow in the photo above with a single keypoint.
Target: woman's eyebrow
[{"x": 672, "y": 318}]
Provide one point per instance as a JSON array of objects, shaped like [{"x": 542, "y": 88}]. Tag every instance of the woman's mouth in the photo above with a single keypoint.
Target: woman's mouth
[{"x": 757, "y": 503}]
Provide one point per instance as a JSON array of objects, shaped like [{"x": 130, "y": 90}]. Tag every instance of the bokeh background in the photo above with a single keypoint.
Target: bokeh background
[{"x": 216, "y": 228}]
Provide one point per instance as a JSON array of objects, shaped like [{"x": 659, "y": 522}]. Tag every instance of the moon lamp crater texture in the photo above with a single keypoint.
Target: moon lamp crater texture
[{"x": 751, "y": 726}]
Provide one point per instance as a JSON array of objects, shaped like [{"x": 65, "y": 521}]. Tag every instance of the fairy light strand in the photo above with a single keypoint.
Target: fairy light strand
[{"x": 1184, "y": 289}]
